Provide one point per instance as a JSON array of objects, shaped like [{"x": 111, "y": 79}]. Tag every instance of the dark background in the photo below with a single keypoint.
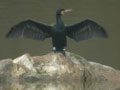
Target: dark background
[{"x": 104, "y": 12}]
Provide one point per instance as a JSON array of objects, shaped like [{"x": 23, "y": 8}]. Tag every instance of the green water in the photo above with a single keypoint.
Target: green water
[{"x": 104, "y": 12}]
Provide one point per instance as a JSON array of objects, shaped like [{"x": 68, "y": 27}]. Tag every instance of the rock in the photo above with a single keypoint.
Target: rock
[
  {"x": 56, "y": 66},
  {"x": 60, "y": 85},
  {"x": 5, "y": 67}
]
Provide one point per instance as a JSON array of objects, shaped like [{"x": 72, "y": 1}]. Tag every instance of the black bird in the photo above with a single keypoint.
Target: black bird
[{"x": 84, "y": 30}]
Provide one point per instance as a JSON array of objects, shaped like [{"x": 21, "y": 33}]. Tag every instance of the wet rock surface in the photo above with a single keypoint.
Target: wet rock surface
[{"x": 55, "y": 66}]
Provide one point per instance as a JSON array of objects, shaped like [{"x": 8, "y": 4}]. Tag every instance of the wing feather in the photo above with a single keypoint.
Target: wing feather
[
  {"x": 30, "y": 29},
  {"x": 85, "y": 30}
]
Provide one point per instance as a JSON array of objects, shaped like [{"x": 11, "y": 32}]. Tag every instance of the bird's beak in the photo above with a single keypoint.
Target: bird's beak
[
  {"x": 65, "y": 11},
  {"x": 68, "y": 10}
]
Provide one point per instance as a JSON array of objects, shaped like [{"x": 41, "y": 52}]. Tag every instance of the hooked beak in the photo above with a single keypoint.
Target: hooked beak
[
  {"x": 65, "y": 11},
  {"x": 68, "y": 10}
]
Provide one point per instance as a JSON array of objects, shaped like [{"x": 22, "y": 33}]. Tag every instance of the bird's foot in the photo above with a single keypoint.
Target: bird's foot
[
  {"x": 59, "y": 50},
  {"x": 63, "y": 52}
]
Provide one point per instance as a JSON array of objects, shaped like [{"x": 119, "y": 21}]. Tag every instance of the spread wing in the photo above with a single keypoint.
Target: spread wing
[
  {"x": 30, "y": 29},
  {"x": 84, "y": 30}
]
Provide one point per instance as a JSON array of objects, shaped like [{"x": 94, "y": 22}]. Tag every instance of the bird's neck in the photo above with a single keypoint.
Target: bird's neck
[{"x": 59, "y": 21}]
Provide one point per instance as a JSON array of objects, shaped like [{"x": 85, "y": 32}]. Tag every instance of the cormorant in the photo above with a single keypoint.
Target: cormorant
[{"x": 84, "y": 30}]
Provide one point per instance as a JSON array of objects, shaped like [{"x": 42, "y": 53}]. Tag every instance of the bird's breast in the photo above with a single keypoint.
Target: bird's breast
[{"x": 58, "y": 28}]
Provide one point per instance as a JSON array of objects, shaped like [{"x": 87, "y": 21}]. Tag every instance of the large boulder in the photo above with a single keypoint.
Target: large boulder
[{"x": 55, "y": 66}]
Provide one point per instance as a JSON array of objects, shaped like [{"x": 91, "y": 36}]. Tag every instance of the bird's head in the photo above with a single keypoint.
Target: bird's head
[{"x": 63, "y": 11}]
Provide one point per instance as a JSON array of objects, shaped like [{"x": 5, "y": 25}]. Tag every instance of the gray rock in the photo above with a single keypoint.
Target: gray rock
[
  {"x": 5, "y": 65},
  {"x": 55, "y": 66}
]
